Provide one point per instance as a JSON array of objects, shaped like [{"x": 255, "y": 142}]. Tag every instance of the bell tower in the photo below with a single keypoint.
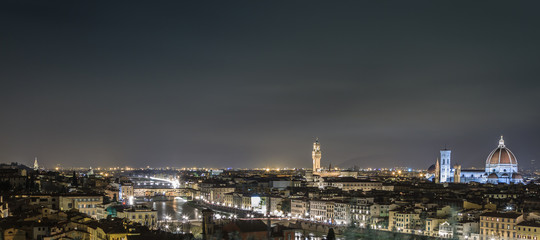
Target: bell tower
[
  {"x": 446, "y": 172},
  {"x": 316, "y": 155}
]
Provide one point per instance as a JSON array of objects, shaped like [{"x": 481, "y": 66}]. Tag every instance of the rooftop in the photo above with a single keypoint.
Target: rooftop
[
  {"x": 530, "y": 223},
  {"x": 502, "y": 214}
]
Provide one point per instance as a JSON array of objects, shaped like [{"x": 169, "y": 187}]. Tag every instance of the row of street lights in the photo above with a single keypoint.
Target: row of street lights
[{"x": 182, "y": 228}]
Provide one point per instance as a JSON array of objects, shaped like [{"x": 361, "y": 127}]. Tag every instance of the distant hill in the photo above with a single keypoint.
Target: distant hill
[
  {"x": 351, "y": 163},
  {"x": 15, "y": 165}
]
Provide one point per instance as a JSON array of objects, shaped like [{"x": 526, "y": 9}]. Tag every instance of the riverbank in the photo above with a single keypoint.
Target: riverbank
[{"x": 316, "y": 230}]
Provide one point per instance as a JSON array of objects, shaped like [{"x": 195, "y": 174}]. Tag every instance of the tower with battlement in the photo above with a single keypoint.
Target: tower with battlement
[{"x": 316, "y": 156}]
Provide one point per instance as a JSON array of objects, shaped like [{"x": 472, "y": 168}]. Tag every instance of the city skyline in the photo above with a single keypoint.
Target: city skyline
[
  {"x": 252, "y": 84},
  {"x": 269, "y": 120},
  {"x": 268, "y": 166}
]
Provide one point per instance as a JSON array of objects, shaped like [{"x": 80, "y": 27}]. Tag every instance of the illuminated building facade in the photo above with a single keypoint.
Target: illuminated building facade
[
  {"x": 501, "y": 167},
  {"x": 445, "y": 166}
]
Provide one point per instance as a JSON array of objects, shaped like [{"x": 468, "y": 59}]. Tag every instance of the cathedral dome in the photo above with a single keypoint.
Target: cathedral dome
[
  {"x": 493, "y": 176},
  {"x": 501, "y": 155},
  {"x": 431, "y": 169},
  {"x": 517, "y": 176}
]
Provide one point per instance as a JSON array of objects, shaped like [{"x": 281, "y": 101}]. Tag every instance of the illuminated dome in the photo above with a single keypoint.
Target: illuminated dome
[
  {"x": 501, "y": 160},
  {"x": 501, "y": 155}
]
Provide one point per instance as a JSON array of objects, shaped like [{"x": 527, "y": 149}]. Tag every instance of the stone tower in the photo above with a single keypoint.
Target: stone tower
[
  {"x": 445, "y": 165},
  {"x": 316, "y": 155},
  {"x": 457, "y": 173}
]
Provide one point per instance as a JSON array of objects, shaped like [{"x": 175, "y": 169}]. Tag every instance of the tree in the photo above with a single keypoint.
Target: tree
[
  {"x": 286, "y": 206},
  {"x": 352, "y": 233},
  {"x": 75, "y": 182},
  {"x": 331, "y": 235}
]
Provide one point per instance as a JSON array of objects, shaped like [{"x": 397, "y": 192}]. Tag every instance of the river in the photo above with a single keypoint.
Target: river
[
  {"x": 173, "y": 208},
  {"x": 177, "y": 208}
]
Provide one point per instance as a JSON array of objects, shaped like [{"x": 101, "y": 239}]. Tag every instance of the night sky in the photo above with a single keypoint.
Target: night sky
[{"x": 251, "y": 84}]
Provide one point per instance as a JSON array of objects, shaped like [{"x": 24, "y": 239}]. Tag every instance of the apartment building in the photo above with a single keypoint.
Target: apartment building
[
  {"x": 87, "y": 204},
  {"x": 126, "y": 191},
  {"x": 500, "y": 225},
  {"x": 407, "y": 221},
  {"x": 352, "y": 184},
  {"x": 140, "y": 214},
  {"x": 317, "y": 210},
  {"x": 342, "y": 213},
  {"x": 528, "y": 230},
  {"x": 299, "y": 208}
]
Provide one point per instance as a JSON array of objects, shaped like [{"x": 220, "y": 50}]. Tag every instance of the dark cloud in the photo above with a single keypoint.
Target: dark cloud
[{"x": 251, "y": 84}]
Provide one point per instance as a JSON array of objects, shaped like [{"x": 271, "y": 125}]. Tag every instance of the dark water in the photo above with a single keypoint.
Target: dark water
[{"x": 175, "y": 208}]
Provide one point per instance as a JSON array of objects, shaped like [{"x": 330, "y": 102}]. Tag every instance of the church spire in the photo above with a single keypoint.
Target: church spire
[
  {"x": 36, "y": 165},
  {"x": 437, "y": 177},
  {"x": 501, "y": 142}
]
